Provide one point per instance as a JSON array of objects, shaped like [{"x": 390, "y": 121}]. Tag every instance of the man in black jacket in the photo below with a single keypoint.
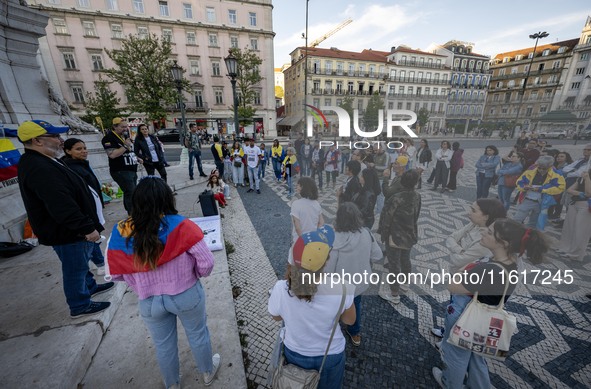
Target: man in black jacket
[{"x": 62, "y": 212}]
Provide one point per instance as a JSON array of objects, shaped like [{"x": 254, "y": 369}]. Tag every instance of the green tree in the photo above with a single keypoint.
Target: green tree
[
  {"x": 142, "y": 67},
  {"x": 422, "y": 118},
  {"x": 248, "y": 77},
  {"x": 371, "y": 117},
  {"x": 103, "y": 104},
  {"x": 347, "y": 105}
]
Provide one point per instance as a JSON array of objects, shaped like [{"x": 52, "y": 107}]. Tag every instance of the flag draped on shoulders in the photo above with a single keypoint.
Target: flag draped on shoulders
[{"x": 177, "y": 233}]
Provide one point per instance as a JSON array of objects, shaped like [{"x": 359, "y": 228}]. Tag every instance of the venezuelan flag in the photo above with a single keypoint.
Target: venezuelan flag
[
  {"x": 177, "y": 233},
  {"x": 9, "y": 157}
]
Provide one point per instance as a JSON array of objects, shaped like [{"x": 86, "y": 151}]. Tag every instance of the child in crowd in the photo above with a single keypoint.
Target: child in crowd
[{"x": 217, "y": 185}]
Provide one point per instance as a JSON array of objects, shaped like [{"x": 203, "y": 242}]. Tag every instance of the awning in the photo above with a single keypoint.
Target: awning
[{"x": 289, "y": 121}]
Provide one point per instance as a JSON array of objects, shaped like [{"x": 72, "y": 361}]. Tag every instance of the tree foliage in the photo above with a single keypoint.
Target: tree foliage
[
  {"x": 422, "y": 117},
  {"x": 103, "y": 103},
  {"x": 142, "y": 67},
  {"x": 247, "y": 78},
  {"x": 371, "y": 117}
]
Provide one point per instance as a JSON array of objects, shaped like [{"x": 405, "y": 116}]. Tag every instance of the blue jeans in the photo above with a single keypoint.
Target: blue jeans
[
  {"x": 289, "y": 186},
  {"x": 253, "y": 178},
  {"x": 458, "y": 361},
  {"x": 238, "y": 174},
  {"x": 356, "y": 327},
  {"x": 127, "y": 181},
  {"x": 306, "y": 167},
  {"x": 277, "y": 167},
  {"x": 97, "y": 255},
  {"x": 528, "y": 208},
  {"x": 195, "y": 154},
  {"x": 482, "y": 185},
  {"x": 78, "y": 281},
  {"x": 332, "y": 372},
  {"x": 227, "y": 191},
  {"x": 344, "y": 160},
  {"x": 160, "y": 313},
  {"x": 262, "y": 168},
  {"x": 505, "y": 195},
  {"x": 320, "y": 173}
]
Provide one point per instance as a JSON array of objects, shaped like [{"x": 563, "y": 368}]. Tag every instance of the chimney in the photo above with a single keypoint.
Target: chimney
[{"x": 392, "y": 49}]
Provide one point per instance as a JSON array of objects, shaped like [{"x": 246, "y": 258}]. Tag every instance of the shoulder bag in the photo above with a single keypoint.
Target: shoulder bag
[
  {"x": 289, "y": 376},
  {"x": 484, "y": 329}
]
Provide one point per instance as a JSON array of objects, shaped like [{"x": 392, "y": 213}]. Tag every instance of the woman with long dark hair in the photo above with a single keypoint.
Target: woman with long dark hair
[
  {"x": 443, "y": 158},
  {"x": 423, "y": 158},
  {"x": 507, "y": 240},
  {"x": 162, "y": 256},
  {"x": 148, "y": 148},
  {"x": 76, "y": 157},
  {"x": 369, "y": 194},
  {"x": 456, "y": 163}
]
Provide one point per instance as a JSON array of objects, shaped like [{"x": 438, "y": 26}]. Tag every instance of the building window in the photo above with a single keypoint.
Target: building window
[
  {"x": 77, "y": 93},
  {"x": 117, "y": 31},
  {"x": 584, "y": 56},
  {"x": 543, "y": 109},
  {"x": 213, "y": 39},
  {"x": 199, "y": 98},
  {"x": 219, "y": 95},
  {"x": 142, "y": 32},
  {"x": 53, "y": 1},
  {"x": 84, "y": 3},
  {"x": 69, "y": 61},
  {"x": 545, "y": 52},
  {"x": 188, "y": 11},
  {"x": 138, "y": 6},
  {"x": 232, "y": 16},
  {"x": 257, "y": 97},
  {"x": 194, "y": 68},
  {"x": 561, "y": 50},
  {"x": 328, "y": 102},
  {"x": 580, "y": 71},
  {"x": 167, "y": 34},
  {"x": 163, "y": 8},
  {"x": 215, "y": 65},
  {"x": 339, "y": 102},
  {"x": 97, "y": 62},
  {"x": 112, "y": 5},
  {"x": 254, "y": 43},
  {"x": 575, "y": 85},
  {"x": 234, "y": 41},
  {"x": 191, "y": 38},
  {"x": 252, "y": 16},
  {"x": 60, "y": 26},
  {"x": 88, "y": 28},
  {"x": 210, "y": 12}
]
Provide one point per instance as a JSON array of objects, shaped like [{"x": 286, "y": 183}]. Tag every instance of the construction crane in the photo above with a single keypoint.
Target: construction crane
[{"x": 330, "y": 33}]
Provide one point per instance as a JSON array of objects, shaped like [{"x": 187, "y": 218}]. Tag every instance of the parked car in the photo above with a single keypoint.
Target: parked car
[
  {"x": 553, "y": 133},
  {"x": 168, "y": 135},
  {"x": 584, "y": 134}
]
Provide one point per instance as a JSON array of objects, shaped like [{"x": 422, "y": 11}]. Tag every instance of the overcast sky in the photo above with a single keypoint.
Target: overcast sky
[{"x": 380, "y": 25}]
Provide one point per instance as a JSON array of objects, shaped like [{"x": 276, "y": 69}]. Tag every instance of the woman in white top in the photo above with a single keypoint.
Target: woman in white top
[
  {"x": 309, "y": 311},
  {"x": 443, "y": 157},
  {"x": 411, "y": 150},
  {"x": 306, "y": 213},
  {"x": 464, "y": 245}
]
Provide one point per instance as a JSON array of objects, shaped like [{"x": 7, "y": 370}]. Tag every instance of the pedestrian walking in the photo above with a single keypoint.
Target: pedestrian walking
[
  {"x": 162, "y": 256},
  {"x": 193, "y": 145},
  {"x": 63, "y": 212}
]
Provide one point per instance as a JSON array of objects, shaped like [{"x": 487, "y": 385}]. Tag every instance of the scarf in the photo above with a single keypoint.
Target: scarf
[{"x": 177, "y": 233}]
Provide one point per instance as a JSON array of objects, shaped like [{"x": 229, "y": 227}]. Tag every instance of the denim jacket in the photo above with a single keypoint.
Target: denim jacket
[
  {"x": 509, "y": 169},
  {"x": 488, "y": 164}
]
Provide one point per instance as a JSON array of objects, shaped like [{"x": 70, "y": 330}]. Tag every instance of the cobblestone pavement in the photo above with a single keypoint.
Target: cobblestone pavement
[{"x": 551, "y": 348}]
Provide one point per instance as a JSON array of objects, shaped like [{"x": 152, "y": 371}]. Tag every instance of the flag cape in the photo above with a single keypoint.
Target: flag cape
[{"x": 177, "y": 233}]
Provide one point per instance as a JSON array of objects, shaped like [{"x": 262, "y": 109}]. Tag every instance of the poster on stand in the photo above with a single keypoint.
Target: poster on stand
[{"x": 212, "y": 231}]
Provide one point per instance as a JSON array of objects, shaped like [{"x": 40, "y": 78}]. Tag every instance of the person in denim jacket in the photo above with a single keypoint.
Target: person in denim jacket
[
  {"x": 485, "y": 170},
  {"x": 513, "y": 167}
]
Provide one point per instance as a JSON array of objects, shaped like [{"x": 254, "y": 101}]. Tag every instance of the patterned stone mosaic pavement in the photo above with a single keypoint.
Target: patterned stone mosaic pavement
[{"x": 551, "y": 349}]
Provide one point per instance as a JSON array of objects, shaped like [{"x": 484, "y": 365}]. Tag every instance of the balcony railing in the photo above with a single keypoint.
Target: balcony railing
[
  {"x": 190, "y": 106},
  {"x": 414, "y": 96},
  {"x": 416, "y": 80},
  {"x": 418, "y": 65}
]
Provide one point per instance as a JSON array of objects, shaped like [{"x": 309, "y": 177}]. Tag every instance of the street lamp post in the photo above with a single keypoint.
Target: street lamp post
[
  {"x": 537, "y": 36},
  {"x": 232, "y": 66},
  {"x": 177, "y": 76}
]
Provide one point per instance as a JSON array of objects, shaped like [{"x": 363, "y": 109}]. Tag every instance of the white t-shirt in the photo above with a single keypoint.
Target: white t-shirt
[
  {"x": 252, "y": 155},
  {"x": 308, "y": 324},
  {"x": 307, "y": 212},
  {"x": 152, "y": 148}
]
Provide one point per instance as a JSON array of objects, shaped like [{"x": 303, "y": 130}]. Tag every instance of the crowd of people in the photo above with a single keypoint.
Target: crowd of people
[{"x": 162, "y": 255}]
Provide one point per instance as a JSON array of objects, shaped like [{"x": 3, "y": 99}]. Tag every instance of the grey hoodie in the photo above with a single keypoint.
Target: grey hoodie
[{"x": 351, "y": 253}]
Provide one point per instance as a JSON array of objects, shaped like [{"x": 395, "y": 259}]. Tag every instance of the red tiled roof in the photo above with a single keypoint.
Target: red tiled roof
[
  {"x": 571, "y": 43},
  {"x": 365, "y": 55}
]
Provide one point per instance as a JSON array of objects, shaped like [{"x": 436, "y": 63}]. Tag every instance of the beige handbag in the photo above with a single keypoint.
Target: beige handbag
[{"x": 484, "y": 329}]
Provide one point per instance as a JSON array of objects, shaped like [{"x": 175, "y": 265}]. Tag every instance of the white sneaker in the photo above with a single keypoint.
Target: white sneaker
[
  {"x": 208, "y": 377},
  {"x": 437, "y": 331},
  {"x": 386, "y": 295},
  {"x": 438, "y": 374},
  {"x": 228, "y": 198}
]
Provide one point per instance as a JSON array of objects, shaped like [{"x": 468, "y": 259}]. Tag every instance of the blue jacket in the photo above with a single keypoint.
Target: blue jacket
[
  {"x": 509, "y": 169},
  {"x": 488, "y": 164}
]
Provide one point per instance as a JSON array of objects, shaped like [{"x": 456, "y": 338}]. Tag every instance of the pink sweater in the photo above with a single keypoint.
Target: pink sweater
[{"x": 173, "y": 277}]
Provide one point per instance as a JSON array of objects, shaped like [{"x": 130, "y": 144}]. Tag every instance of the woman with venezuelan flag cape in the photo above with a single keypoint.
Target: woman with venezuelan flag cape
[{"x": 162, "y": 256}]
